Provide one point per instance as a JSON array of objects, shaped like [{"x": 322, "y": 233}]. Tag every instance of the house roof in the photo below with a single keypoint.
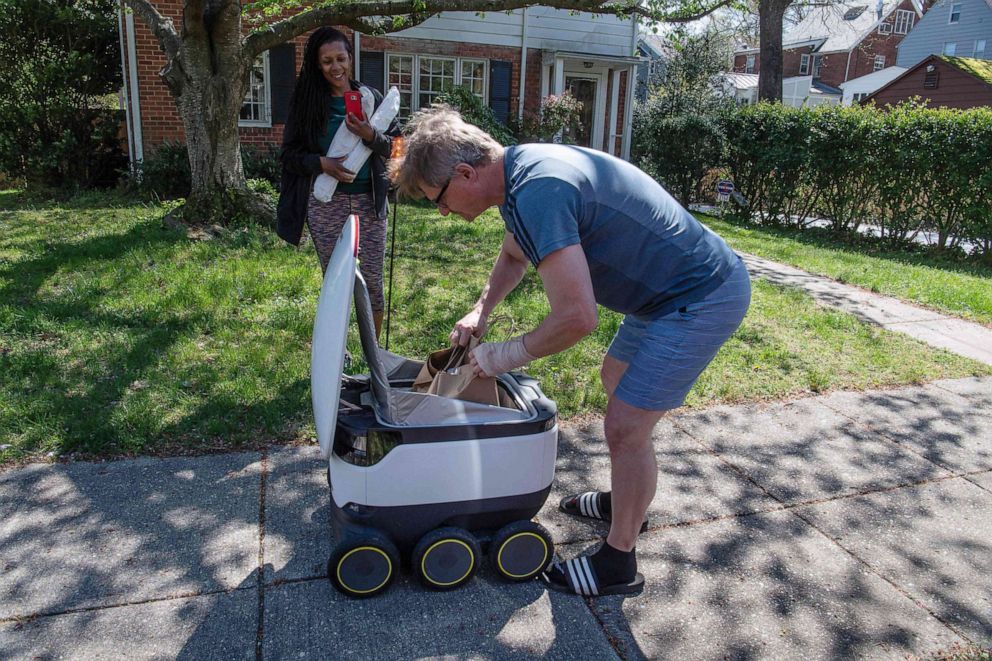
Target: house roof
[
  {"x": 840, "y": 26},
  {"x": 741, "y": 81},
  {"x": 981, "y": 69},
  {"x": 823, "y": 88},
  {"x": 872, "y": 81}
]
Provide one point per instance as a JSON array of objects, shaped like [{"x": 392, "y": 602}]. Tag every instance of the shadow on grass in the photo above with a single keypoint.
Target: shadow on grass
[{"x": 72, "y": 367}]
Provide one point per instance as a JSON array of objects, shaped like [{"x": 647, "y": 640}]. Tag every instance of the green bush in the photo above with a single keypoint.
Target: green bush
[
  {"x": 905, "y": 170},
  {"x": 60, "y": 67},
  {"x": 678, "y": 150},
  {"x": 768, "y": 158},
  {"x": 557, "y": 119},
  {"x": 845, "y": 156},
  {"x": 165, "y": 172},
  {"x": 476, "y": 112}
]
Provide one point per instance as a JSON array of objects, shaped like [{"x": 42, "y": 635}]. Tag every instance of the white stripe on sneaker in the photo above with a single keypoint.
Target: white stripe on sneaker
[
  {"x": 576, "y": 577},
  {"x": 589, "y": 575},
  {"x": 594, "y": 501},
  {"x": 582, "y": 504}
]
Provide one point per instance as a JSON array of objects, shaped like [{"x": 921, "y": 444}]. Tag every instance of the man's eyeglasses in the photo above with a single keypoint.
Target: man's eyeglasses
[{"x": 437, "y": 200}]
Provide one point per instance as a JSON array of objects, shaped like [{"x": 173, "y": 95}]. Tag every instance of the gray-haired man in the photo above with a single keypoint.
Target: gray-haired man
[{"x": 598, "y": 231}]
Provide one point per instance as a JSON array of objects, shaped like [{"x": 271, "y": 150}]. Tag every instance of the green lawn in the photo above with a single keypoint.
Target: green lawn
[
  {"x": 120, "y": 337},
  {"x": 952, "y": 286}
]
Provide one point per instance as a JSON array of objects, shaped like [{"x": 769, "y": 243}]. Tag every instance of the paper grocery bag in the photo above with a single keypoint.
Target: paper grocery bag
[{"x": 447, "y": 373}]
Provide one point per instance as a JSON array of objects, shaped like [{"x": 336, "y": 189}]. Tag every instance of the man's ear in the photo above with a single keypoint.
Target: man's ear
[{"x": 466, "y": 170}]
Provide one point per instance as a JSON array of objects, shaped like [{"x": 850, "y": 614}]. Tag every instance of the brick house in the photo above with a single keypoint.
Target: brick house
[
  {"x": 510, "y": 60},
  {"x": 839, "y": 42},
  {"x": 941, "y": 81}
]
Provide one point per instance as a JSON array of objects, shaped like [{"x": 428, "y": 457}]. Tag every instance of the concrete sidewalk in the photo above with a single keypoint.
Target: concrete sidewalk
[
  {"x": 962, "y": 337},
  {"x": 853, "y": 525}
]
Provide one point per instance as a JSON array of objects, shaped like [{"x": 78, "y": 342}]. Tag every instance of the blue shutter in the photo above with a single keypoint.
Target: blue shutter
[
  {"x": 373, "y": 70},
  {"x": 282, "y": 74},
  {"x": 500, "y": 74}
]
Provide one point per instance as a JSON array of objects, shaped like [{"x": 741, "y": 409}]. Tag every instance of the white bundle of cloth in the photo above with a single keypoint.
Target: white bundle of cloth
[{"x": 347, "y": 144}]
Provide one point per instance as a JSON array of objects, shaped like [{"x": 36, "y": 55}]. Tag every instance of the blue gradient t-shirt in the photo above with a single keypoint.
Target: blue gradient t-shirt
[{"x": 647, "y": 255}]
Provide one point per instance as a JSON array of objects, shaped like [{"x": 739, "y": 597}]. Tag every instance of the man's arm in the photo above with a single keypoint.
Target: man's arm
[
  {"x": 508, "y": 271},
  {"x": 565, "y": 274},
  {"x": 568, "y": 286}
]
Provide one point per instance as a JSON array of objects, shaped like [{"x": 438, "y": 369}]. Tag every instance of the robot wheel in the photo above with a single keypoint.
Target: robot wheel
[
  {"x": 446, "y": 558},
  {"x": 521, "y": 550},
  {"x": 363, "y": 565}
]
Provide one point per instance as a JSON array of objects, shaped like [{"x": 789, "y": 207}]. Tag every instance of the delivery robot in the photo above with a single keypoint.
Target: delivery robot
[{"x": 418, "y": 477}]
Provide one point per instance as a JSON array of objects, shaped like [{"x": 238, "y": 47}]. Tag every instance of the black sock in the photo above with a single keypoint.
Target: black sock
[
  {"x": 605, "y": 502},
  {"x": 613, "y": 565}
]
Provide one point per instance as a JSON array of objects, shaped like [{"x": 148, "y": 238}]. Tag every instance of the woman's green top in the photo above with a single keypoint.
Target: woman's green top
[{"x": 363, "y": 180}]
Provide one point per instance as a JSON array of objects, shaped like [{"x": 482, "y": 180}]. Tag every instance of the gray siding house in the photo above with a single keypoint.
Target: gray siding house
[{"x": 960, "y": 28}]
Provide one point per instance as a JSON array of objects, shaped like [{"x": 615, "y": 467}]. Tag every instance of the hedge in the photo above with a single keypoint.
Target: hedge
[{"x": 904, "y": 170}]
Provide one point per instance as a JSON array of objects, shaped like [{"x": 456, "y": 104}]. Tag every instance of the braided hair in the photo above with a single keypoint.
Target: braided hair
[{"x": 310, "y": 108}]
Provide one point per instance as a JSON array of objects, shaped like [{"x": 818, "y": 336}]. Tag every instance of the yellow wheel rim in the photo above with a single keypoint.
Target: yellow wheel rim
[
  {"x": 423, "y": 562},
  {"x": 389, "y": 565},
  {"x": 499, "y": 556}
]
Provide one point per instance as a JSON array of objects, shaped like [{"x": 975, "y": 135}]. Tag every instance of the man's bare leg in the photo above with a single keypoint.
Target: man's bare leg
[{"x": 633, "y": 469}]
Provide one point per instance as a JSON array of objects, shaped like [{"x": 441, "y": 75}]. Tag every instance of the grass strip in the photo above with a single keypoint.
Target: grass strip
[
  {"x": 951, "y": 285},
  {"x": 120, "y": 337}
]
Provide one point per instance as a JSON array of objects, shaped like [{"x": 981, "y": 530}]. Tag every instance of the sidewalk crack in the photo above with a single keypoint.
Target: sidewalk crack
[{"x": 263, "y": 480}]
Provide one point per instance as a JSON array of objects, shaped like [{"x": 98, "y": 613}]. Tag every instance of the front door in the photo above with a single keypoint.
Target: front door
[{"x": 584, "y": 90}]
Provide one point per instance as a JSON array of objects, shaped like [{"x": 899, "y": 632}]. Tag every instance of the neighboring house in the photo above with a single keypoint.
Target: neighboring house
[
  {"x": 838, "y": 42},
  {"x": 511, "y": 60},
  {"x": 743, "y": 87},
  {"x": 796, "y": 90},
  {"x": 961, "y": 28},
  {"x": 651, "y": 50},
  {"x": 861, "y": 88},
  {"x": 941, "y": 81}
]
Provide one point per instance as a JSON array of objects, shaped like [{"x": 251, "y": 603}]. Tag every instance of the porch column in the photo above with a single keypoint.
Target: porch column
[
  {"x": 628, "y": 112},
  {"x": 614, "y": 109},
  {"x": 559, "y": 85}
]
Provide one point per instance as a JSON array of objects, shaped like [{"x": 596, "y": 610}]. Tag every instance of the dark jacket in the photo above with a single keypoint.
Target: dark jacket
[{"x": 300, "y": 166}]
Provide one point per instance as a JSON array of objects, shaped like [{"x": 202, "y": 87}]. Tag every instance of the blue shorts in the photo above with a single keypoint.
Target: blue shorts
[{"x": 666, "y": 355}]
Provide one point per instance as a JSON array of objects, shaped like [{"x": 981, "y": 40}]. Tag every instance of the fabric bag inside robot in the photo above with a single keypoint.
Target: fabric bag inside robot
[{"x": 418, "y": 475}]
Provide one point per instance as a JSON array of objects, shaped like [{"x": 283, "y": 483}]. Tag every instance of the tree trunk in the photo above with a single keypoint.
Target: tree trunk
[
  {"x": 771, "y": 14},
  {"x": 208, "y": 79}
]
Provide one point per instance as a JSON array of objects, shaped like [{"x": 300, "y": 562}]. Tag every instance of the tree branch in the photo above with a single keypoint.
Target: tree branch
[
  {"x": 375, "y": 16},
  {"x": 161, "y": 26}
]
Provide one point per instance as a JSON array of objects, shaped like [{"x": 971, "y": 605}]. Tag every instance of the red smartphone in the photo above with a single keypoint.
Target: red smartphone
[{"x": 353, "y": 104}]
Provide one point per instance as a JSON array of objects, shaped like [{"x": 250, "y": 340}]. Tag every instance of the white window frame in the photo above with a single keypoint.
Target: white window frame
[
  {"x": 415, "y": 97},
  {"x": 953, "y": 48},
  {"x": 980, "y": 52},
  {"x": 817, "y": 65},
  {"x": 749, "y": 63},
  {"x": 885, "y": 28},
  {"x": 413, "y": 77},
  {"x": 266, "y": 120},
  {"x": 954, "y": 16},
  {"x": 879, "y": 63},
  {"x": 904, "y": 21},
  {"x": 859, "y": 96},
  {"x": 804, "y": 64}
]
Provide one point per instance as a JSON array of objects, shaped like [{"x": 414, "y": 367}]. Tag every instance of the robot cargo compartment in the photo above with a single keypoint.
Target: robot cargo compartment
[{"x": 363, "y": 437}]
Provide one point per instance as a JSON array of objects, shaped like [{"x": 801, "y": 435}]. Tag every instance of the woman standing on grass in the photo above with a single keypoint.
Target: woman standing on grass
[{"x": 316, "y": 112}]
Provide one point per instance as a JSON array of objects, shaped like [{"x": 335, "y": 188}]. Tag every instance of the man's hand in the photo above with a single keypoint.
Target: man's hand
[
  {"x": 494, "y": 358},
  {"x": 335, "y": 168},
  {"x": 471, "y": 324}
]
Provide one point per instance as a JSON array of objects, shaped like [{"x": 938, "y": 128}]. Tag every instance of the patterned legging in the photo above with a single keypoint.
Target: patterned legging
[{"x": 325, "y": 222}]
